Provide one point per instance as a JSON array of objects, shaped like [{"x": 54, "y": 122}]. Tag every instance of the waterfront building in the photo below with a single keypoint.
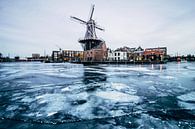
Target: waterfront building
[
  {"x": 137, "y": 55},
  {"x": 35, "y": 56},
  {"x": 71, "y": 55},
  {"x": 110, "y": 54},
  {"x": 1, "y": 57},
  {"x": 162, "y": 49},
  {"x": 17, "y": 58},
  {"x": 133, "y": 54},
  {"x": 99, "y": 53},
  {"x": 117, "y": 55},
  {"x": 56, "y": 56},
  {"x": 130, "y": 53},
  {"x": 155, "y": 54}
]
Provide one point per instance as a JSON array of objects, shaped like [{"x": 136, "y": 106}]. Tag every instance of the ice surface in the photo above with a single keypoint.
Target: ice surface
[
  {"x": 187, "y": 101},
  {"x": 66, "y": 89},
  {"x": 188, "y": 97},
  {"x": 119, "y": 86},
  {"x": 56, "y": 102},
  {"x": 185, "y": 105},
  {"x": 138, "y": 68},
  {"x": 100, "y": 96},
  {"x": 118, "y": 96}
]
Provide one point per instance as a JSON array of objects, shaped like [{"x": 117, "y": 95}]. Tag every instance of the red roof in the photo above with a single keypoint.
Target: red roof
[{"x": 153, "y": 52}]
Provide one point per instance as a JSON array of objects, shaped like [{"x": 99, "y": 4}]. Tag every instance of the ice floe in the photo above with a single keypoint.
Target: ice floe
[
  {"x": 187, "y": 101},
  {"x": 187, "y": 97},
  {"x": 118, "y": 96}
]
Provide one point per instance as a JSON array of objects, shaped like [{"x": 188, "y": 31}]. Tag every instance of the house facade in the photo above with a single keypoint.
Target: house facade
[
  {"x": 117, "y": 55},
  {"x": 155, "y": 54},
  {"x": 70, "y": 55},
  {"x": 98, "y": 53}
]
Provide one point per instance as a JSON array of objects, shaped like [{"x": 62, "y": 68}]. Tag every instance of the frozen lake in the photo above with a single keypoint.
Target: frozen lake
[{"x": 73, "y": 96}]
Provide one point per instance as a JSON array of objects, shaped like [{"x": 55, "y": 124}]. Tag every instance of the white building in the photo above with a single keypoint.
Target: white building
[{"x": 117, "y": 55}]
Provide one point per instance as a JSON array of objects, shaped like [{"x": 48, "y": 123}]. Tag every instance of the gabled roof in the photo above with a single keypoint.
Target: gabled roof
[
  {"x": 139, "y": 49},
  {"x": 125, "y": 49}
]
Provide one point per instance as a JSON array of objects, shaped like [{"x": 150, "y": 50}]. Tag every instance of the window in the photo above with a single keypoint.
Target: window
[{"x": 118, "y": 54}]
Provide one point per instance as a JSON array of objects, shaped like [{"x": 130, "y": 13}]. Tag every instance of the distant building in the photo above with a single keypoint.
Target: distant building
[
  {"x": 67, "y": 56},
  {"x": 56, "y": 56},
  {"x": 110, "y": 54},
  {"x": 1, "y": 57},
  {"x": 136, "y": 54},
  {"x": 70, "y": 55},
  {"x": 117, "y": 55},
  {"x": 35, "y": 56},
  {"x": 155, "y": 54},
  {"x": 130, "y": 53},
  {"x": 162, "y": 49},
  {"x": 17, "y": 58}
]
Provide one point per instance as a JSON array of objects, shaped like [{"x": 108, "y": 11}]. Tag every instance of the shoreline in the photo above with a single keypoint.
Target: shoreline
[
  {"x": 117, "y": 62},
  {"x": 103, "y": 62}
]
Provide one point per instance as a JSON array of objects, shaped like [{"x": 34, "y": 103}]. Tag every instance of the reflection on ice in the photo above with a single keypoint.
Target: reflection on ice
[
  {"x": 167, "y": 77},
  {"x": 126, "y": 69}
]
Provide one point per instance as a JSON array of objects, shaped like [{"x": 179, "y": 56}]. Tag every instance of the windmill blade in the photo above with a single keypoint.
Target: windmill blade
[
  {"x": 97, "y": 27},
  {"x": 75, "y": 18},
  {"x": 92, "y": 10}
]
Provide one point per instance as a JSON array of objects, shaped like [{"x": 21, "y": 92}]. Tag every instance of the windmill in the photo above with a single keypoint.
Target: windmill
[{"x": 90, "y": 40}]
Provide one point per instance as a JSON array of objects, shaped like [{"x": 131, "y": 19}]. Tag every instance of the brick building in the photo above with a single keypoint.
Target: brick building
[
  {"x": 98, "y": 53},
  {"x": 71, "y": 55},
  {"x": 155, "y": 54}
]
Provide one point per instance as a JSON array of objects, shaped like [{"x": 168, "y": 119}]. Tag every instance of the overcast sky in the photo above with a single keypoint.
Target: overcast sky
[{"x": 35, "y": 26}]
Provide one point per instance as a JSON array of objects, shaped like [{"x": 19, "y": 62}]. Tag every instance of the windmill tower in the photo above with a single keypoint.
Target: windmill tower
[{"x": 90, "y": 39}]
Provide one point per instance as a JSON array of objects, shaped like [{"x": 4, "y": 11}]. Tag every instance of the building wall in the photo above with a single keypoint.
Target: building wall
[
  {"x": 56, "y": 56},
  {"x": 70, "y": 55},
  {"x": 96, "y": 54},
  {"x": 138, "y": 54},
  {"x": 155, "y": 54},
  {"x": 35, "y": 56},
  {"x": 117, "y": 55}
]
